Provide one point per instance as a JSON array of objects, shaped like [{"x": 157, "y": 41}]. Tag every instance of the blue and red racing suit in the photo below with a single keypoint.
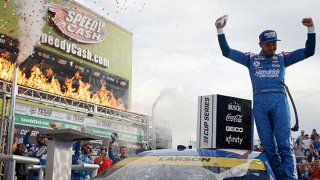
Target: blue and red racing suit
[{"x": 270, "y": 108}]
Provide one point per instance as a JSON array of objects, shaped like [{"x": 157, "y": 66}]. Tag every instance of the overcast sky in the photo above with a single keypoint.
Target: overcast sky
[{"x": 176, "y": 54}]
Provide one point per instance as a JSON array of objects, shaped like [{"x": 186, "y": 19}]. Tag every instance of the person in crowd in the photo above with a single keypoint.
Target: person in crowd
[
  {"x": 304, "y": 170},
  {"x": 84, "y": 158},
  {"x": 21, "y": 168},
  {"x": 103, "y": 161},
  {"x": 298, "y": 150},
  {"x": 40, "y": 151},
  {"x": 316, "y": 144},
  {"x": 116, "y": 158},
  {"x": 314, "y": 135},
  {"x": 301, "y": 137},
  {"x": 312, "y": 154},
  {"x": 315, "y": 170},
  {"x": 307, "y": 142}
]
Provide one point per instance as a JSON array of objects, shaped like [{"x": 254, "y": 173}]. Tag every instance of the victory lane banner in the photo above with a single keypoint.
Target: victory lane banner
[
  {"x": 224, "y": 122},
  {"x": 45, "y": 123}
]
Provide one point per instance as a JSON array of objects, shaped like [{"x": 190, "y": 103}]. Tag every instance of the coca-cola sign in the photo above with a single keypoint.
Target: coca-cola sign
[
  {"x": 80, "y": 26},
  {"x": 234, "y": 118}
]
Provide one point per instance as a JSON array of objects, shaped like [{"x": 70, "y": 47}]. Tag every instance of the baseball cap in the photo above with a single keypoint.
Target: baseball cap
[
  {"x": 20, "y": 141},
  {"x": 41, "y": 135},
  {"x": 268, "y": 36}
]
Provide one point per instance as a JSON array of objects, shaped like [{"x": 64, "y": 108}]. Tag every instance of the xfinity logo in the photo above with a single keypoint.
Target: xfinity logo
[
  {"x": 234, "y": 106},
  {"x": 231, "y": 139},
  {"x": 234, "y": 129},
  {"x": 267, "y": 73}
]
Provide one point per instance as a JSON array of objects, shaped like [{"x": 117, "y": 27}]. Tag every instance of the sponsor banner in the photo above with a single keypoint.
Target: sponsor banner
[
  {"x": 45, "y": 123},
  {"x": 78, "y": 25},
  {"x": 72, "y": 48},
  {"x": 206, "y": 122},
  {"x": 234, "y": 125},
  {"x": 78, "y": 119},
  {"x": 224, "y": 122}
]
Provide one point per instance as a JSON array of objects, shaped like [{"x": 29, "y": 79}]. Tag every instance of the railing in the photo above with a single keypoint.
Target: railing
[
  {"x": 33, "y": 161},
  {"x": 40, "y": 169},
  {"x": 47, "y": 98},
  {"x": 13, "y": 159}
]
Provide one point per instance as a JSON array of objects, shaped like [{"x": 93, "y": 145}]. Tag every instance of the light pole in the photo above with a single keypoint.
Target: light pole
[{"x": 14, "y": 85}]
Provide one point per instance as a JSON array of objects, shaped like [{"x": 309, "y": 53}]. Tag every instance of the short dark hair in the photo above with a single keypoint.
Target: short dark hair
[{"x": 123, "y": 147}]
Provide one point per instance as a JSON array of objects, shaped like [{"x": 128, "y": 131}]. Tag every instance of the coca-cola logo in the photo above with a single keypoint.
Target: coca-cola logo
[
  {"x": 234, "y": 118},
  {"x": 78, "y": 25}
]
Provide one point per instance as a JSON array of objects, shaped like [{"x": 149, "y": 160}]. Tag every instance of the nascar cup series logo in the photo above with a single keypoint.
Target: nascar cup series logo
[
  {"x": 78, "y": 25},
  {"x": 267, "y": 73}
]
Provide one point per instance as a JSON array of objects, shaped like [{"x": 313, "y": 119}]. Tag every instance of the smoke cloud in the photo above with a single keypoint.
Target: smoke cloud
[
  {"x": 180, "y": 110},
  {"x": 31, "y": 21}
]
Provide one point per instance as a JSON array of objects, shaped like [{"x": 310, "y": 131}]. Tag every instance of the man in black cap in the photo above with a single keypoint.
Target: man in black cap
[{"x": 270, "y": 109}]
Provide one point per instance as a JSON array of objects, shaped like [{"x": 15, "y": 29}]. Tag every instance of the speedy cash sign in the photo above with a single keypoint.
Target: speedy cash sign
[{"x": 80, "y": 26}]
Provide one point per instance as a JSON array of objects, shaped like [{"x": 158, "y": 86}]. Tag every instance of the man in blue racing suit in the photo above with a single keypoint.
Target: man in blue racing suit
[{"x": 270, "y": 109}]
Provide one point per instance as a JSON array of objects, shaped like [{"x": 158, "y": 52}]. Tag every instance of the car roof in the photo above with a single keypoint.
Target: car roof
[{"x": 245, "y": 154}]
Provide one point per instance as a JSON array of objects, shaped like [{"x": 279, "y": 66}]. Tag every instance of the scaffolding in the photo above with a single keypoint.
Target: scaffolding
[{"x": 53, "y": 100}]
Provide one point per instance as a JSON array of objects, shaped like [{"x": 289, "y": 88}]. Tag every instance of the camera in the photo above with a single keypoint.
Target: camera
[{"x": 113, "y": 137}]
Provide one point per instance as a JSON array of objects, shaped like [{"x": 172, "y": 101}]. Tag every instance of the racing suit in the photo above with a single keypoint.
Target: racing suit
[{"x": 270, "y": 105}]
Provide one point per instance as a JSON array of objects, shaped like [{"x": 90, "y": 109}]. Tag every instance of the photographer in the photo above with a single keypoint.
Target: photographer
[
  {"x": 312, "y": 153},
  {"x": 123, "y": 150}
]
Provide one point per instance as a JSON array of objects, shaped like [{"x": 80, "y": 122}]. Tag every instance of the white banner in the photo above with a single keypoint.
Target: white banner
[{"x": 206, "y": 122}]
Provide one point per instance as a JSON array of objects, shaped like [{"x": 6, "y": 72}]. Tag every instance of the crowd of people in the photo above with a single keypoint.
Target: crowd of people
[
  {"x": 306, "y": 149},
  {"x": 82, "y": 155}
]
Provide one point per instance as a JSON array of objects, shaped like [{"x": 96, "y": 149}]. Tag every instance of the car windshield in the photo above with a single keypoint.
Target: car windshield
[{"x": 186, "y": 167}]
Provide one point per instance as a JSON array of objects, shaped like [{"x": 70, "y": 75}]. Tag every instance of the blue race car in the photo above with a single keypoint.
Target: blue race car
[{"x": 191, "y": 164}]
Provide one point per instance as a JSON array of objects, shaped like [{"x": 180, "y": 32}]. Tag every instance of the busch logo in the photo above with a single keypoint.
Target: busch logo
[
  {"x": 237, "y": 118},
  {"x": 234, "y": 106},
  {"x": 267, "y": 73}
]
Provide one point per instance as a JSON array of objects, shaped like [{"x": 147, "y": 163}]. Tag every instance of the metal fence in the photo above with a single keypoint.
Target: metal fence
[{"x": 10, "y": 171}]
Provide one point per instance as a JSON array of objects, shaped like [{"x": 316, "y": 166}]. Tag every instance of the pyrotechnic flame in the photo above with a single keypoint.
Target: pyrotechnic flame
[{"x": 48, "y": 82}]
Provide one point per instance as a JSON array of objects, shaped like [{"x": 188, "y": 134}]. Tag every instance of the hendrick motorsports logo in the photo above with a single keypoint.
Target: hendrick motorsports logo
[{"x": 267, "y": 73}]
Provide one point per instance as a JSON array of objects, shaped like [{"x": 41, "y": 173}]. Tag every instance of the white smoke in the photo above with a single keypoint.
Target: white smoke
[
  {"x": 180, "y": 110},
  {"x": 31, "y": 14}
]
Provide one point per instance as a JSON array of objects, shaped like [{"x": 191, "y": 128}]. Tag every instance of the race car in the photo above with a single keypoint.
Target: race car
[{"x": 184, "y": 163}]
